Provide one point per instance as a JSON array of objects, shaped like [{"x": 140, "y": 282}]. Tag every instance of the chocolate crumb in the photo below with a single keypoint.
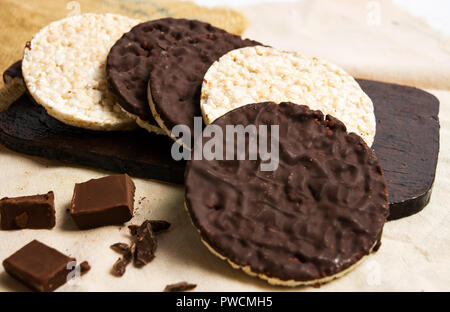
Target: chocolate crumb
[
  {"x": 28, "y": 45},
  {"x": 133, "y": 229},
  {"x": 120, "y": 248},
  {"x": 181, "y": 286},
  {"x": 159, "y": 225},
  {"x": 129, "y": 255},
  {"x": 119, "y": 267},
  {"x": 84, "y": 267},
  {"x": 145, "y": 245}
]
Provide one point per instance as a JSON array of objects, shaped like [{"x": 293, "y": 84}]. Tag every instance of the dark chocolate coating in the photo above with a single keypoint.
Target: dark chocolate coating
[
  {"x": 39, "y": 266},
  {"x": 131, "y": 58},
  {"x": 105, "y": 201},
  {"x": 26, "y": 128},
  {"x": 28, "y": 212},
  {"x": 319, "y": 213},
  {"x": 177, "y": 76},
  {"x": 406, "y": 143}
]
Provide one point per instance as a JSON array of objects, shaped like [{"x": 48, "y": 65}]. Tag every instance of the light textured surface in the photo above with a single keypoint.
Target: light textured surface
[
  {"x": 370, "y": 39},
  {"x": 64, "y": 70},
  {"x": 259, "y": 74}
]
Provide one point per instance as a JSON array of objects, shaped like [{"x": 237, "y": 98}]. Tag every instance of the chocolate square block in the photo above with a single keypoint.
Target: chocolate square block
[
  {"x": 28, "y": 212},
  {"x": 39, "y": 266},
  {"x": 104, "y": 201}
]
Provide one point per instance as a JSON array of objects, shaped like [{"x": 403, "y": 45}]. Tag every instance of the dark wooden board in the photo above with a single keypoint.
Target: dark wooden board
[{"x": 406, "y": 143}]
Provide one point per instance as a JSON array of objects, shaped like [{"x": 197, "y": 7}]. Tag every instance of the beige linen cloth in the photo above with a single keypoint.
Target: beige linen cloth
[{"x": 415, "y": 254}]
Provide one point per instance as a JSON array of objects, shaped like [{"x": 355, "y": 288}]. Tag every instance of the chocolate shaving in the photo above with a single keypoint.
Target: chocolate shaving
[
  {"x": 145, "y": 245},
  {"x": 119, "y": 267},
  {"x": 181, "y": 286},
  {"x": 130, "y": 253},
  {"x": 133, "y": 228},
  {"x": 159, "y": 225},
  {"x": 121, "y": 248}
]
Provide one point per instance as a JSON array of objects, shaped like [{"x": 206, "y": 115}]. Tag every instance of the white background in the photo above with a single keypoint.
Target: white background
[{"x": 435, "y": 12}]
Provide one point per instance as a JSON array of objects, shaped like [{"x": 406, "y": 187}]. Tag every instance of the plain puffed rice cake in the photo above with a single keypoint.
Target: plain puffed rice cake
[
  {"x": 64, "y": 70},
  {"x": 259, "y": 74}
]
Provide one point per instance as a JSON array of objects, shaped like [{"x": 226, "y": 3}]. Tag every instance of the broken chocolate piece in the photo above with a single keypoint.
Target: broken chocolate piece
[
  {"x": 104, "y": 201},
  {"x": 159, "y": 225},
  {"x": 181, "y": 286},
  {"x": 84, "y": 267},
  {"x": 145, "y": 245},
  {"x": 133, "y": 228},
  {"x": 129, "y": 255},
  {"x": 120, "y": 248},
  {"x": 119, "y": 267},
  {"x": 39, "y": 266},
  {"x": 32, "y": 212}
]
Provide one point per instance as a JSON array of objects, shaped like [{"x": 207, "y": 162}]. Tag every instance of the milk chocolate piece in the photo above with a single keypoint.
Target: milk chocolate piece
[
  {"x": 104, "y": 201},
  {"x": 181, "y": 286},
  {"x": 145, "y": 245},
  {"x": 84, "y": 267},
  {"x": 159, "y": 225},
  {"x": 119, "y": 267},
  {"x": 121, "y": 264},
  {"x": 120, "y": 248},
  {"x": 318, "y": 213},
  {"x": 28, "y": 212},
  {"x": 39, "y": 266}
]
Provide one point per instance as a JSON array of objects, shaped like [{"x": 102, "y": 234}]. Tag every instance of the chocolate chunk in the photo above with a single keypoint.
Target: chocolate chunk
[
  {"x": 159, "y": 225},
  {"x": 133, "y": 229},
  {"x": 129, "y": 254},
  {"x": 120, "y": 248},
  {"x": 317, "y": 214},
  {"x": 145, "y": 245},
  {"x": 32, "y": 212},
  {"x": 177, "y": 75},
  {"x": 104, "y": 201},
  {"x": 119, "y": 267},
  {"x": 181, "y": 286},
  {"x": 84, "y": 267},
  {"x": 406, "y": 143},
  {"x": 156, "y": 225},
  {"x": 131, "y": 58},
  {"x": 38, "y": 266}
]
